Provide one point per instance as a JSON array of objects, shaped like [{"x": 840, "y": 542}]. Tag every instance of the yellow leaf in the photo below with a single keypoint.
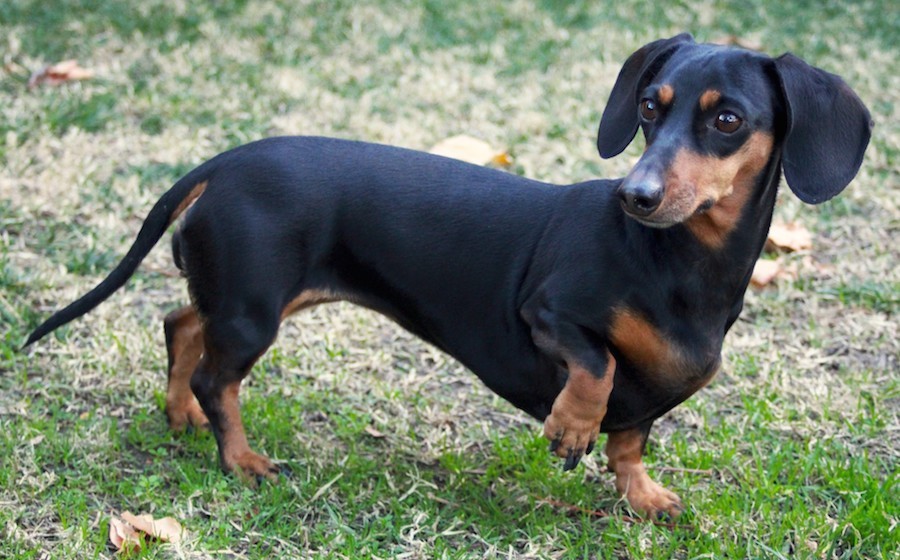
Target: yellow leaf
[{"x": 502, "y": 159}]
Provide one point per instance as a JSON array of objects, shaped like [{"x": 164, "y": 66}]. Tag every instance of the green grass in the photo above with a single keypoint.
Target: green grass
[{"x": 393, "y": 449}]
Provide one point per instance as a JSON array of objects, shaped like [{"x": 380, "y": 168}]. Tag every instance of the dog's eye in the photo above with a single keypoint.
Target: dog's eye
[
  {"x": 728, "y": 122},
  {"x": 648, "y": 109}
]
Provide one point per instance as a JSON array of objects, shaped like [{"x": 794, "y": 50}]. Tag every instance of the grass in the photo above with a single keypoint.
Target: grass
[{"x": 395, "y": 450}]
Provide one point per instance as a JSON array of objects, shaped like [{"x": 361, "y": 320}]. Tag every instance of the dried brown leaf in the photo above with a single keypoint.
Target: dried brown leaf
[
  {"x": 143, "y": 523},
  {"x": 165, "y": 529},
  {"x": 764, "y": 273},
  {"x": 472, "y": 150},
  {"x": 123, "y": 536},
  {"x": 168, "y": 529},
  {"x": 811, "y": 267},
  {"x": 789, "y": 237},
  {"x": 59, "y": 73}
]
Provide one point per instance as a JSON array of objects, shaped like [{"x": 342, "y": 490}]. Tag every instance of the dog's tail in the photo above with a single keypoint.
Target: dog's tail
[{"x": 164, "y": 212}]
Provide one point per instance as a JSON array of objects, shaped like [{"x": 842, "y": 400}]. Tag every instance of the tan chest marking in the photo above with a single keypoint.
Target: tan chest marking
[{"x": 642, "y": 344}]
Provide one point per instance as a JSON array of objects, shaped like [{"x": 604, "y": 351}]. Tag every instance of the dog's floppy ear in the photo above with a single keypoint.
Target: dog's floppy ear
[
  {"x": 826, "y": 133},
  {"x": 619, "y": 122}
]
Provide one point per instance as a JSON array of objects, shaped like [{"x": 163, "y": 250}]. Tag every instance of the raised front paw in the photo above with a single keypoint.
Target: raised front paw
[
  {"x": 574, "y": 421},
  {"x": 571, "y": 436}
]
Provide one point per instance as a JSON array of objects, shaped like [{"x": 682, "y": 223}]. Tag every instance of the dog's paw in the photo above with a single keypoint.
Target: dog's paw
[
  {"x": 649, "y": 499},
  {"x": 186, "y": 415},
  {"x": 574, "y": 421},
  {"x": 571, "y": 436},
  {"x": 252, "y": 468}
]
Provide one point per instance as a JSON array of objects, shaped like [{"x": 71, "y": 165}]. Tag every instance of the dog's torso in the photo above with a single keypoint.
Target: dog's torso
[{"x": 457, "y": 254}]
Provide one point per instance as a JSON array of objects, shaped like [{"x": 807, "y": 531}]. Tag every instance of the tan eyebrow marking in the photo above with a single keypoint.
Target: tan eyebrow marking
[
  {"x": 665, "y": 94},
  {"x": 709, "y": 98}
]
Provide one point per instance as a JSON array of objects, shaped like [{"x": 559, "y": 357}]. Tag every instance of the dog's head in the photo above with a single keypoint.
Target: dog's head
[{"x": 715, "y": 118}]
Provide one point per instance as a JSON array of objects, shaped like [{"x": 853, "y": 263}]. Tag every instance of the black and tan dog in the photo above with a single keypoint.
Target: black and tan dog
[{"x": 594, "y": 307}]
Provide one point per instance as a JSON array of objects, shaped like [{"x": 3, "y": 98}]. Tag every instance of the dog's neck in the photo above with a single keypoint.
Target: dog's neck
[
  {"x": 720, "y": 271},
  {"x": 732, "y": 266}
]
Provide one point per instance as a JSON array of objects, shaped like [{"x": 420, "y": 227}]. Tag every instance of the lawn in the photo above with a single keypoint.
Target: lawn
[{"x": 394, "y": 450}]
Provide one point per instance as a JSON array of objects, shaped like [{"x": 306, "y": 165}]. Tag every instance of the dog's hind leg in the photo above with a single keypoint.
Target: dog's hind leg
[
  {"x": 184, "y": 344},
  {"x": 231, "y": 345}
]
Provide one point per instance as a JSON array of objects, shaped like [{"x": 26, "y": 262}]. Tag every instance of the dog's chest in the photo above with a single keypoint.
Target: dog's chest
[{"x": 677, "y": 364}]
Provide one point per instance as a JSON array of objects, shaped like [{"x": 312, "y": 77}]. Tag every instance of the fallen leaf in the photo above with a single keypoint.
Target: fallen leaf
[
  {"x": 123, "y": 536},
  {"x": 503, "y": 159},
  {"x": 811, "y": 267},
  {"x": 472, "y": 150},
  {"x": 59, "y": 73},
  {"x": 373, "y": 432},
  {"x": 789, "y": 237},
  {"x": 165, "y": 529},
  {"x": 168, "y": 529},
  {"x": 143, "y": 523},
  {"x": 764, "y": 273}
]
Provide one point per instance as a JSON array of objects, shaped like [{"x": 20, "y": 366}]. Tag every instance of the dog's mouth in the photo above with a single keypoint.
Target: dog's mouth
[
  {"x": 704, "y": 206},
  {"x": 662, "y": 219},
  {"x": 649, "y": 221}
]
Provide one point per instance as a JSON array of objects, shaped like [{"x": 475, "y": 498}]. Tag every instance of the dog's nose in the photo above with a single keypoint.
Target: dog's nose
[{"x": 641, "y": 198}]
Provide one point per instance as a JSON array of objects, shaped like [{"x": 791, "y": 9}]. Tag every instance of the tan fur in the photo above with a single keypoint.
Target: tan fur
[
  {"x": 624, "y": 450},
  {"x": 195, "y": 193},
  {"x": 185, "y": 351},
  {"x": 579, "y": 408},
  {"x": 709, "y": 99},
  {"x": 306, "y": 299},
  {"x": 235, "y": 450},
  {"x": 666, "y": 94},
  {"x": 642, "y": 343},
  {"x": 694, "y": 179},
  {"x": 730, "y": 186},
  {"x": 659, "y": 359}
]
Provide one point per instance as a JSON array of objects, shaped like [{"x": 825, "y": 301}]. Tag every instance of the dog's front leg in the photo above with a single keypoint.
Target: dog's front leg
[
  {"x": 574, "y": 421},
  {"x": 575, "y": 416},
  {"x": 645, "y": 496}
]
